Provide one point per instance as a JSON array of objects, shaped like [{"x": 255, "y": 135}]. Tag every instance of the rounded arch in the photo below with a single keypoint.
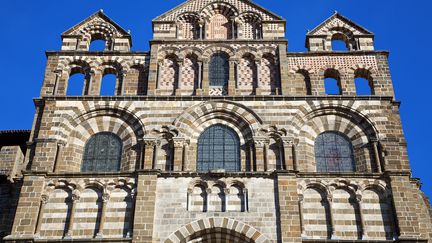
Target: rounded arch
[
  {"x": 243, "y": 51},
  {"x": 167, "y": 52},
  {"x": 188, "y": 51},
  {"x": 232, "y": 227},
  {"x": 219, "y": 48},
  {"x": 218, "y": 7},
  {"x": 250, "y": 16},
  {"x": 240, "y": 118},
  {"x": 99, "y": 31},
  {"x": 267, "y": 50},
  {"x": 338, "y": 118},
  {"x": 77, "y": 131}
]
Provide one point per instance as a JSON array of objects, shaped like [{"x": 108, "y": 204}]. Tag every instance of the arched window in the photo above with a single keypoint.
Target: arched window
[
  {"x": 340, "y": 42},
  {"x": 219, "y": 70},
  {"x": 334, "y": 153},
  {"x": 108, "y": 85},
  {"x": 364, "y": 82},
  {"x": 97, "y": 45},
  {"x": 102, "y": 153},
  {"x": 218, "y": 148},
  {"x": 76, "y": 84},
  {"x": 332, "y": 82}
]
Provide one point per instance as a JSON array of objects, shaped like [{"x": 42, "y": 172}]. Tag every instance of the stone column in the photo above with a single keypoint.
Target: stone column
[
  {"x": 186, "y": 161},
  {"x": 332, "y": 220},
  {"x": 149, "y": 147},
  {"x": 362, "y": 221},
  {"x": 131, "y": 213},
  {"x": 178, "y": 154},
  {"x": 141, "y": 151},
  {"x": 259, "y": 154},
  {"x": 157, "y": 148},
  {"x": 245, "y": 200},
  {"x": 205, "y": 85},
  {"x": 122, "y": 78},
  {"x": 208, "y": 196},
  {"x": 200, "y": 67},
  {"x": 377, "y": 156},
  {"x": 232, "y": 79},
  {"x": 105, "y": 200},
  {"x": 303, "y": 230},
  {"x": 258, "y": 76},
  {"x": 88, "y": 87},
  {"x": 201, "y": 25},
  {"x": 44, "y": 201},
  {"x": 59, "y": 155},
  {"x": 159, "y": 70},
  {"x": 56, "y": 82},
  {"x": 75, "y": 200},
  {"x": 226, "y": 194},
  {"x": 288, "y": 154},
  {"x": 178, "y": 86},
  {"x": 252, "y": 165}
]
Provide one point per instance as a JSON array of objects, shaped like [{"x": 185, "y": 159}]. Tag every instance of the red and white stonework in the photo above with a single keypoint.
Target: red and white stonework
[{"x": 275, "y": 101}]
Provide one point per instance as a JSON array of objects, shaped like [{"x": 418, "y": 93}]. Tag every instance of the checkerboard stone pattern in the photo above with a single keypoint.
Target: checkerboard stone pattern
[{"x": 273, "y": 100}]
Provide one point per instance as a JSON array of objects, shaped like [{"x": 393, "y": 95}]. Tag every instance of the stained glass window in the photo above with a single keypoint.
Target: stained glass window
[
  {"x": 219, "y": 70},
  {"x": 102, "y": 153},
  {"x": 334, "y": 153},
  {"x": 218, "y": 148}
]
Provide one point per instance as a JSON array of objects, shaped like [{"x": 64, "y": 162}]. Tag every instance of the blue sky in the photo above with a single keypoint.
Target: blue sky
[{"x": 30, "y": 27}]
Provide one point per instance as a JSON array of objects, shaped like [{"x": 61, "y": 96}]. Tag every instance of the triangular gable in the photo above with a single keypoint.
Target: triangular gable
[
  {"x": 338, "y": 20},
  {"x": 97, "y": 17},
  {"x": 197, "y": 5}
]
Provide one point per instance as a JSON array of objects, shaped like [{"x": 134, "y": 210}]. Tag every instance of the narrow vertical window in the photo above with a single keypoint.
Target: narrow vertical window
[{"x": 219, "y": 70}]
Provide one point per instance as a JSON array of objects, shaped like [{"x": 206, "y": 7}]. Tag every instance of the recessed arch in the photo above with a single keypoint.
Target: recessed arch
[
  {"x": 245, "y": 120},
  {"x": 209, "y": 226}
]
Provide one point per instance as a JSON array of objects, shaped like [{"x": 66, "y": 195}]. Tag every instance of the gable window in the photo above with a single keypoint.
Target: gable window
[
  {"x": 218, "y": 148},
  {"x": 334, "y": 153},
  {"x": 102, "y": 153},
  {"x": 219, "y": 70}
]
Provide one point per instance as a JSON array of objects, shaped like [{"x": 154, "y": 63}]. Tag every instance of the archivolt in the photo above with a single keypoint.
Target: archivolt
[
  {"x": 237, "y": 231},
  {"x": 194, "y": 119}
]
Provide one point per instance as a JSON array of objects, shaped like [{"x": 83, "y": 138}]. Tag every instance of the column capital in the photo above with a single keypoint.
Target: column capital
[
  {"x": 359, "y": 198},
  {"x": 179, "y": 142},
  {"x": 261, "y": 141},
  {"x": 301, "y": 197},
  {"x": 149, "y": 142},
  {"x": 44, "y": 199},
  {"x": 105, "y": 197}
]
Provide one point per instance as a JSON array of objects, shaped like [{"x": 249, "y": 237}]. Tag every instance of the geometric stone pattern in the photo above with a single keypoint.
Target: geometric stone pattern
[{"x": 274, "y": 101}]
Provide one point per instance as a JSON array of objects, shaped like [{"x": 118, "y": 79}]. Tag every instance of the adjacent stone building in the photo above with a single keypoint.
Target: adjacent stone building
[{"x": 217, "y": 134}]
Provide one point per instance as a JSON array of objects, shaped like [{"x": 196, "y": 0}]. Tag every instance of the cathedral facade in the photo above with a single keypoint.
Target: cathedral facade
[{"x": 217, "y": 134}]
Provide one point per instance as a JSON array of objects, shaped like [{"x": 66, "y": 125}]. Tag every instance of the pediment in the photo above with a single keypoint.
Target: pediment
[{"x": 197, "y": 7}]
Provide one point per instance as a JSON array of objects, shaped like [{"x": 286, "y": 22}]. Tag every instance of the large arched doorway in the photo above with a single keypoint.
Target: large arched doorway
[
  {"x": 217, "y": 235},
  {"x": 215, "y": 230}
]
